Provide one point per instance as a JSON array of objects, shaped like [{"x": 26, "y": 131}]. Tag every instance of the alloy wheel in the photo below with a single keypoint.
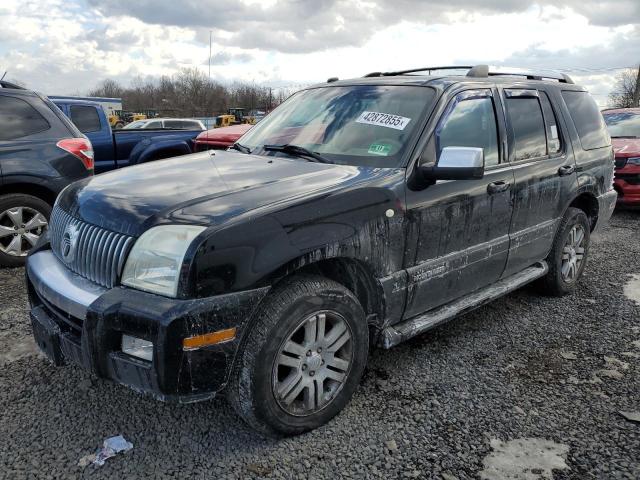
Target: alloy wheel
[
  {"x": 312, "y": 364},
  {"x": 573, "y": 254},
  {"x": 20, "y": 229}
]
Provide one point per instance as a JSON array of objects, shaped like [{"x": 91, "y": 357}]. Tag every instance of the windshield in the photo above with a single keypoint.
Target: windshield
[
  {"x": 623, "y": 124},
  {"x": 354, "y": 125}
]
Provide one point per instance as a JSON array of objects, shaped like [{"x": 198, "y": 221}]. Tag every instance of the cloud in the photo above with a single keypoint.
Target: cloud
[
  {"x": 303, "y": 26},
  {"x": 78, "y": 43}
]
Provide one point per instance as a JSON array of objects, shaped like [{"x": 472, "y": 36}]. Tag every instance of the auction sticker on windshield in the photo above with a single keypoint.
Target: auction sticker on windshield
[{"x": 383, "y": 120}]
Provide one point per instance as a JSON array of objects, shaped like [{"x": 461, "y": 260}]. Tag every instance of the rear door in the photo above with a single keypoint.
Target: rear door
[
  {"x": 544, "y": 171},
  {"x": 460, "y": 228}
]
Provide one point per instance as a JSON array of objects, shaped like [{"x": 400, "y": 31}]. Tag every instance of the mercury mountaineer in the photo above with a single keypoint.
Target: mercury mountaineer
[{"x": 359, "y": 212}]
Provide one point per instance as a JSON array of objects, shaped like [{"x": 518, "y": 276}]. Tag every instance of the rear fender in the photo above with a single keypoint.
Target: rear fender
[{"x": 152, "y": 149}]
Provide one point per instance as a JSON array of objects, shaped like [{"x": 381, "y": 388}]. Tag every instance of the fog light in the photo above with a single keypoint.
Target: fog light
[{"x": 136, "y": 347}]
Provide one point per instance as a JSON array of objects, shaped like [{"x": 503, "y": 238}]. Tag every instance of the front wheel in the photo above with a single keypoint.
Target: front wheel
[
  {"x": 23, "y": 219},
  {"x": 568, "y": 256},
  {"x": 303, "y": 357}
]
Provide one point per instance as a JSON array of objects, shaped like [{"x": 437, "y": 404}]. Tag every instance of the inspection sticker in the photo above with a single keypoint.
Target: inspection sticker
[
  {"x": 383, "y": 120},
  {"x": 379, "y": 149}
]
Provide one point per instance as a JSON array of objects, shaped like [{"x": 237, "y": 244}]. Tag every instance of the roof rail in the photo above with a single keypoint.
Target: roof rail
[
  {"x": 5, "y": 84},
  {"x": 483, "y": 71},
  {"x": 415, "y": 70}
]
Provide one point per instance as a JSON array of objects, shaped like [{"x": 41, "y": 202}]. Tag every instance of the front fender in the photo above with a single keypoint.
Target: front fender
[{"x": 363, "y": 224}]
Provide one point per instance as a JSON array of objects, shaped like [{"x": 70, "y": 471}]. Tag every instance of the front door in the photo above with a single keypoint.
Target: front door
[{"x": 460, "y": 228}]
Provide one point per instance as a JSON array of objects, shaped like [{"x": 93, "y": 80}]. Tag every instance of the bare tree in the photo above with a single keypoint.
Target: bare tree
[
  {"x": 107, "y": 88},
  {"x": 189, "y": 93},
  {"x": 626, "y": 92}
]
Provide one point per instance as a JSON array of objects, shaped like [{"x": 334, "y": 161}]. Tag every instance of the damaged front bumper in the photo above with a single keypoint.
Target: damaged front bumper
[{"x": 75, "y": 320}]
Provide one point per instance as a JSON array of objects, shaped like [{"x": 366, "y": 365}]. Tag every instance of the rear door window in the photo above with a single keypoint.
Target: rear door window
[
  {"x": 527, "y": 123},
  {"x": 19, "y": 119},
  {"x": 587, "y": 119},
  {"x": 85, "y": 118},
  {"x": 154, "y": 124}
]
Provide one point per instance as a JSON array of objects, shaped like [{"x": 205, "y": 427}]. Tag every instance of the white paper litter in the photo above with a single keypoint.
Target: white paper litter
[{"x": 111, "y": 447}]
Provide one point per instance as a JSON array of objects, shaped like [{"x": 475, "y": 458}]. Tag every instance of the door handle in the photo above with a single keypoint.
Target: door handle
[
  {"x": 497, "y": 187},
  {"x": 566, "y": 170}
]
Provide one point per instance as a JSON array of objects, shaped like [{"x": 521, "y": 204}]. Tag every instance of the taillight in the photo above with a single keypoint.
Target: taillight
[{"x": 80, "y": 148}]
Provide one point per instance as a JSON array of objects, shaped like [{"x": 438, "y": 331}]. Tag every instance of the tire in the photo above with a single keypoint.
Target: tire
[
  {"x": 286, "y": 317},
  {"x": 119, "y": 125},
  {"x": 555, "y": 282},
  {"x": 35, "y": 213}
]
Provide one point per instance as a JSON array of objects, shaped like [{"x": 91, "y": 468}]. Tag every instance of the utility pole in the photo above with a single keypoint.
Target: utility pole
[{"x": 636, "y": 91}]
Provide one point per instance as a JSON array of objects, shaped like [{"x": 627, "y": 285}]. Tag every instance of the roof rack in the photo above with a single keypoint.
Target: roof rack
[
  {"x": 5, "y": 84},
  {"x": 415, "y": 70},
  {"x": 484, "y": 71}
]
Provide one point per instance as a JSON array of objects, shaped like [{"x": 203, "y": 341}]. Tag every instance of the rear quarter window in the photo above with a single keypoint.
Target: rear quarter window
[
  {"x": 18, "y": 119},
  {"x": 587, "y": 119}
]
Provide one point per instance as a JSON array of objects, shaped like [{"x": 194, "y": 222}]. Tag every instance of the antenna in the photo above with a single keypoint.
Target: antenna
[{"x": 5, "y": 74}]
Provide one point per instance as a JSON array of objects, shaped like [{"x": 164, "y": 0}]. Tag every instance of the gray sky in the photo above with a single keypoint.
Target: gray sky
[{"x": 68, "y": 46}]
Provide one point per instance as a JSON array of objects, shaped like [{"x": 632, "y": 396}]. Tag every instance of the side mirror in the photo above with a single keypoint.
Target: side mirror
[{"x": 456, "y": 163}]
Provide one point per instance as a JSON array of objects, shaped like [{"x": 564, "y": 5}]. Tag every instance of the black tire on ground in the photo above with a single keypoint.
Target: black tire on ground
[
  {"x": 119, "y": 125},
  {"x": 553, "y": 283},
  {"x": 251, "y": 391},
  {"x": 16, "y": 200}
]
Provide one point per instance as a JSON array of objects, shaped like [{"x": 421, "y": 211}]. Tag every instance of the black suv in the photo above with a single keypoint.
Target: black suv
[
  {"x": 41, "y": 152},
  {"x": 359, "y": 212}
]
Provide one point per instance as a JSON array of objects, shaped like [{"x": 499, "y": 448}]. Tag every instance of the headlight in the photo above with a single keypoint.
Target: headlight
[
  {"x": 155, "y": 260},
  {"x": 633, "y": 161}
]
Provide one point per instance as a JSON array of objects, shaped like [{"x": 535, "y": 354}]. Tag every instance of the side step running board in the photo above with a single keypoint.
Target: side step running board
[{"x": 402, "y": 331}]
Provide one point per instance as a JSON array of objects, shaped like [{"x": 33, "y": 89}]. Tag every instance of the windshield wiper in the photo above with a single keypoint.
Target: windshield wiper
[
  {"x": 297, "y": 151},
  {"x": 623, "y": 136},
  {"x": 240, "y": 148}
]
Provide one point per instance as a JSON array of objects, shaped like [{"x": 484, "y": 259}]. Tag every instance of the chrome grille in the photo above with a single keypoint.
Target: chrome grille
[{"x": 99, "y": 253}]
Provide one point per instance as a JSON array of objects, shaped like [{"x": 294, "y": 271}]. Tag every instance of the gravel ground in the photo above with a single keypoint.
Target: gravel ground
[{"x": 518, "y": 387}]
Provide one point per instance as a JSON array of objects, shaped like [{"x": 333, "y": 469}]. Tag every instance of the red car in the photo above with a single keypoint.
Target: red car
[
  {"x": 220, "y": 138},
  {"x": 624, "y": 128}
]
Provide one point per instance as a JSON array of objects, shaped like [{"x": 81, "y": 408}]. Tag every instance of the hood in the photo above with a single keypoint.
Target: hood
[
  {"x": 202, "y": 188},
  {"x": 626, "y": 147},
  {"x": 224, "y": 134}
]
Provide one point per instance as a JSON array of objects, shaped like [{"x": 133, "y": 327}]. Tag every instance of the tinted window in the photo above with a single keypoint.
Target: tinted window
[
  {"x": 85, "y": 118},
  {"x": 587, "y": 119},
  {"x": 180, "y": 124},
  {"x": 553, "y": 133},
  {"x": 471, "y": 123},
  {"x": 154, "y": 124},
  {"x": 19, "y": 119},
  {"x": 527, "y": 123}
]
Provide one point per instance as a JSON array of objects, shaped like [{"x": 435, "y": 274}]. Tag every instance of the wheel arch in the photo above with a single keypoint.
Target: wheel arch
[
  {"x": 352, "y": 273},
  {"x": 38, "y": 191},
  {"x": 588, "y": 203}
]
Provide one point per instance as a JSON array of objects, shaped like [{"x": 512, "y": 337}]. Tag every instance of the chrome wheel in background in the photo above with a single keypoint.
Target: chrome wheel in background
[{"x": 20, "y": 229}]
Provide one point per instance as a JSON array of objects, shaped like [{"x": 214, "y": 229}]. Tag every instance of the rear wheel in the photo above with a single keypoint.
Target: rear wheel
[
  {"x": 302, "y": 359},
  {"x": 568, "y": 256},
  {"x": 23, "y": 219}
]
